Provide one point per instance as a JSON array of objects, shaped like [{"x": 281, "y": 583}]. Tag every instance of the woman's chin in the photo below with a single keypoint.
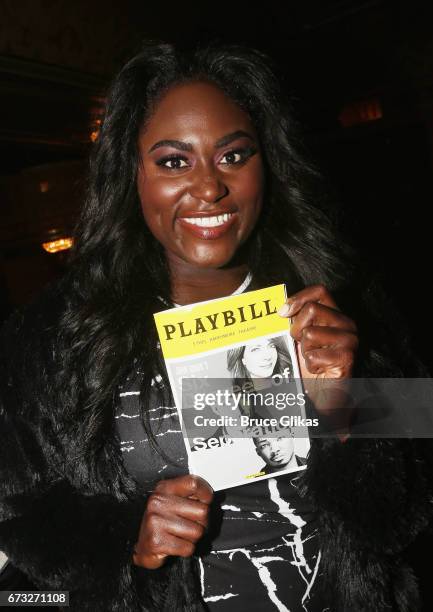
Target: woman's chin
[
  {"x": 212, "y": 261},
  {"x": 210, "y": 253},
  {"x": 262, "y": 375}
]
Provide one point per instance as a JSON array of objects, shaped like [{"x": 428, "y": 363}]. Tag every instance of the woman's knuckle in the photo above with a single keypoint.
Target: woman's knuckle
[
  {"x": 152, "y": 522},
  {"x": 193, "y": 482},
  {"x": 187, "y": 549},
  {"x": 154, "y": 540},
  {"x": 199, "y": 531},
  {"x": 154, "y": 503},
  {"x": 203, "y": 512},
  {"x": 311, "y": 308},
  {"x": 310, "y": 357},
  {"x": 308, "y": 333}
]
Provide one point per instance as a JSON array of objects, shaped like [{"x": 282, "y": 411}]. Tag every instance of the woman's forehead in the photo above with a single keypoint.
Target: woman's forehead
[
  {"x": 259, "y": 344},
  {"x": 197, "y": 106}
]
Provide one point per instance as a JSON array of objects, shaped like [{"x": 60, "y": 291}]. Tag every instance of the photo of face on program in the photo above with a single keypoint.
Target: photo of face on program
[
  {"x": 278, "y": 453},
  {"x": 260, "y": 358}
]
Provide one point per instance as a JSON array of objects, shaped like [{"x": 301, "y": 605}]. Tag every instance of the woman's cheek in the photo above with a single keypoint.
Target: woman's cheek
[{"x": 168, "y": 192}]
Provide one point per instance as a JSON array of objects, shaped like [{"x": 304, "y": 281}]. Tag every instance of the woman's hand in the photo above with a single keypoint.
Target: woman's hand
[
  {"x": 326, "y": 343},
  {"x": 175, "y": 519}
]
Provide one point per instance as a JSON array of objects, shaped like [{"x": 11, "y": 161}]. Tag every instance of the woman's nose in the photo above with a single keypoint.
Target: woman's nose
[{"x": 208, "y": 186}]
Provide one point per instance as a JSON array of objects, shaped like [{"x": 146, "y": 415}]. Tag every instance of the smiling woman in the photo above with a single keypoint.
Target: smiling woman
[
  {"x": 200, "y": 177},
  {"x": 200, "y": 182},
  {"x": 198, "y": 190}
]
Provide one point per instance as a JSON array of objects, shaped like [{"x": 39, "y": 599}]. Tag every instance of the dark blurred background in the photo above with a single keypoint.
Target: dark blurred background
[{"x": 360, "y": 75}]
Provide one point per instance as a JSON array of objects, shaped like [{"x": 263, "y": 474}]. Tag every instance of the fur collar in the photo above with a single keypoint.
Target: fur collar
[{"x": 71, "y": 524}]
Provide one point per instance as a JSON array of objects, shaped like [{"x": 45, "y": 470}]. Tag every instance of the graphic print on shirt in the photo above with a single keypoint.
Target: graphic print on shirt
[
  {"x": 262, "y": 551},
  {"x": 279, "y": 570}
]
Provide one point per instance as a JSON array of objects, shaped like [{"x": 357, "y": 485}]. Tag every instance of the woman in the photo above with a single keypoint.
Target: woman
[
  {"x": 196, "y": 180},
  {"x": 253, "y": 365},
  {"x": 260, "y": 359}
]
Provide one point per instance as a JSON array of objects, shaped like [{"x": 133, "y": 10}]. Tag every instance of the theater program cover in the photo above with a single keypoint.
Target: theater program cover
[{"x": 235, "y": 379}]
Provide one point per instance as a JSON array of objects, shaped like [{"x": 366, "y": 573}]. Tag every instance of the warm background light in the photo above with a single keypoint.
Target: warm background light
[
  {"x": 361, "y": 112},
  {"x": 96, "y": 129},
  {"x": 61, "y": 244}
]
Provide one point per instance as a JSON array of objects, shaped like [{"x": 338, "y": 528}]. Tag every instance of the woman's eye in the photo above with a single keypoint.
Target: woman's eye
[
  {"x": 238, "y": 156},
  {"x": 174, "y": 162},
  {"x": 233, "y": 157}
]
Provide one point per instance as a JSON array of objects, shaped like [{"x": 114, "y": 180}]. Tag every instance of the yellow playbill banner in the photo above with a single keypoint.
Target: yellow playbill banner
[{"x": 214, "y": 324}]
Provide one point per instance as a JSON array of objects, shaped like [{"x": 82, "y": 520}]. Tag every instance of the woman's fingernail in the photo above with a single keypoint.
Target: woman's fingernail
[{"x": 284, "y": 311}]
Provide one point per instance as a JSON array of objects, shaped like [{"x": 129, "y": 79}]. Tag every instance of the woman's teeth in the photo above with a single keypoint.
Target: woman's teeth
[{"x": 209, "y": 221}]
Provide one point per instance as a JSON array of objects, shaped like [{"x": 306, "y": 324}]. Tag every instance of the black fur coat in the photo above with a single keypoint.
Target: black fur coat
[{"x": 71, "y": 525}]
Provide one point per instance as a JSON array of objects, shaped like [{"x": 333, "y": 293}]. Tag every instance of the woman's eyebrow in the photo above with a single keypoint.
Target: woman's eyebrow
[
  {"x": 176, "y": 144},
  {"x": 186, "y": 146},
  {"x": 228, "y": 138}
]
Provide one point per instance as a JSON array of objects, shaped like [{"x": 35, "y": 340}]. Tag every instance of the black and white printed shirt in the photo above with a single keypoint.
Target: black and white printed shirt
[{"x": 261, "y": 551}]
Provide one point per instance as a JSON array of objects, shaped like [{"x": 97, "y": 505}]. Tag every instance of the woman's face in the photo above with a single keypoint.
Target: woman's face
[
  {"x": 260, "y": 358},
  {"x": 201, "y": 179}
]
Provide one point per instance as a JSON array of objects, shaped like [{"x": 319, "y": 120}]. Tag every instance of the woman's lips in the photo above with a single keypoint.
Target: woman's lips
[
  {"x": 210, "y": 227},
  {"x": 266, "y": 368}
]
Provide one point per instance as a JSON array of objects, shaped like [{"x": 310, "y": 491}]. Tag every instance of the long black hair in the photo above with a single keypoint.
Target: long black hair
[{"x": 118, "y": 269}]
